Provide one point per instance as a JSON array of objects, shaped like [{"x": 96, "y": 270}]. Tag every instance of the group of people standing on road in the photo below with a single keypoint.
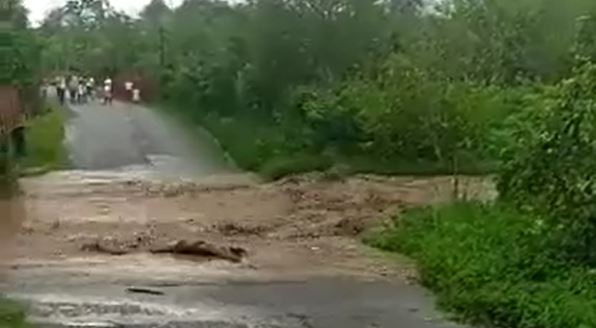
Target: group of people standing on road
[{"x": 80, "y": 90}]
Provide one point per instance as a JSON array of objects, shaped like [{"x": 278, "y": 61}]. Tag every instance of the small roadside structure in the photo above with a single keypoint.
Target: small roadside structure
[
  {"x": 12, "y": 125},
  {"x": 11, "y": 110},
  {"x": 20, "y": 56}
]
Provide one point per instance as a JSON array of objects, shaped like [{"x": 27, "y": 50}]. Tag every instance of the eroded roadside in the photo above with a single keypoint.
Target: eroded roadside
[{"x": 304, "y": 264}]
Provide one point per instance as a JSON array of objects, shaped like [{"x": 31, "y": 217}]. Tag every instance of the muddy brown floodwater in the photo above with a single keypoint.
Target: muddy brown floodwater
[
  {"x": 305, "y": 265},
  {"x": 12, "y": 216},
  {"x": 285, "y": 254}
]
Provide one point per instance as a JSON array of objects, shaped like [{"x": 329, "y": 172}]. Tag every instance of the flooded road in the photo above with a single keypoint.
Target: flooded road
[
  {"x": 82, "y": 256},
  {"x": 12, "y": 215},
  {"x": 304, "y": 268}
]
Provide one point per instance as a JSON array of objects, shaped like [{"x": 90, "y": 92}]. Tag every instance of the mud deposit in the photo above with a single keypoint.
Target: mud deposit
[
  {"x": 154, "y": 230},
  {"x": 302, "y": 262}
]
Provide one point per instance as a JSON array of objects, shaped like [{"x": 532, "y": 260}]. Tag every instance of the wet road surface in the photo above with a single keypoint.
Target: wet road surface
[
  {"x": 135, "y": 138},
  {"x": 292, "y": 278},
  {"x": 317, "y": 302}
]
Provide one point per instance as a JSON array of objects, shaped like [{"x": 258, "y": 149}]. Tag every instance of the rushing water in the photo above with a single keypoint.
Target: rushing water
[{"x": 12, "y": 214}]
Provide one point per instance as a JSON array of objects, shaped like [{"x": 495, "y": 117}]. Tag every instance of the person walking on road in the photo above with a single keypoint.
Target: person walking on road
[
  {"x": 128, "y": 86},
  {"x": 73, "y": 87},
  {"x": 61, "y": 90},
  {"x": 82, "y": 90},
  {"x": 136, "y": 95},
  {"x": 107, "y": 91},
  {"x": 90, "y": 84}
]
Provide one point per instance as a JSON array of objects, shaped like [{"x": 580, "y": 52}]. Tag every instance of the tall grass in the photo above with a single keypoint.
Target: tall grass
[
  {"x": 45, "y": 142},
  {"x": 11, "y": 315},
  {"x": 278, "y": 150},
  {"x": 265, "y": 149},
  {"x": 490, "y": 265}
]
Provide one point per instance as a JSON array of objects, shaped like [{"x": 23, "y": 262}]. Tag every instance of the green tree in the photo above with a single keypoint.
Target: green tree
[{"x": 549, "y": 169}]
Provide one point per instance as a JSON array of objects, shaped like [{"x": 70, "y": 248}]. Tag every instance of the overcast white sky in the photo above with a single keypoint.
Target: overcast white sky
[{"x": 38, "y": 8}]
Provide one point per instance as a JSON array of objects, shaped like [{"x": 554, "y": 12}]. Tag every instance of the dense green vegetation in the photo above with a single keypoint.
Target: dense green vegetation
[
  {"x": 19, "y": 50},
  {"x": 11, "y": 315},
  {"x": 19, "y": 68},
  {"x": 45, "y": 143},
  {"x": 492, "y": 265},
  {"x": 393, "y": 81},
  {"x": 395, "y": 86},
  {"x": 529, "y": 260}
]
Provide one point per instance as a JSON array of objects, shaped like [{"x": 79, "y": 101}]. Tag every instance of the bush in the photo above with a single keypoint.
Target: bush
[
  {"x": 11, "y": 315},
  {"x": 402, "y": 119},
  {"x": 280, "y": 167},
  {"x": 45, "y": 142},
  {"x": 550, "y": 169},
  {"x": 252, "y": 143},
  {"x": 410, "y": 113},
  {"x": 488, "y": 263}
]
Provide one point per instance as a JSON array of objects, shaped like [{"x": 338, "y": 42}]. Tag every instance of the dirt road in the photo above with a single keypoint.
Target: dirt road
[{"x": 83, "y": 255}]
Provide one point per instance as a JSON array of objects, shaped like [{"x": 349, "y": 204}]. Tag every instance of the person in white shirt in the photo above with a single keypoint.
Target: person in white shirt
[
  {"x": 128, "y": 85},
  {"x": 136, "y": 95},
  {"x": 107, "y": 91},
  {"x": 73, "y": 87}
]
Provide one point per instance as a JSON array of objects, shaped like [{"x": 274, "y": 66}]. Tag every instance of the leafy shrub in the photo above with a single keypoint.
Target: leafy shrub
[
  {"x": 407, "y": 112},
  {"x": 488, "y": 263},
  {"x": 19, "y": 58},
  {"x": 249, "y": 143},
  {"x": 45, "y": 142},
  {"x": 300, "y": 163},
  {"x": 551, "y": 168},
  {"x": 11, "y": 315},
  {"x": 272, "y": 150}
]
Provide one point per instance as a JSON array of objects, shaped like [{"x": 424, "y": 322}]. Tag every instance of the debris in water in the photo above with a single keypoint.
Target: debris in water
[
  {"x": 55, "y": 225},
  {"x": 350, "y": 227},
  {"x": 203, "y": 248},
  {"x": 137, "y": 290},
  {"x": 100, "y": 247},
  {"x": 235, "y": 229}
]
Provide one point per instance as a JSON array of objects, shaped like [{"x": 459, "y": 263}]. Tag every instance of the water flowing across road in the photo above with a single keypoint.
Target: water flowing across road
[{"x": 140, "y": 178}]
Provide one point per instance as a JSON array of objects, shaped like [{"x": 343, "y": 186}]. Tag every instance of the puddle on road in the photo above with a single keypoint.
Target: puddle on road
[{"x": 12, "y": 215}]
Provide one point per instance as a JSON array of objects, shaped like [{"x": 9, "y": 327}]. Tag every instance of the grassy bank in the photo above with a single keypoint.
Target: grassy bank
[
  {"x": 264, "y": 149},
  {"x": 11, "y": 315},
  {"x": 277, "y": 151},
  {"x": 489, "y": 265},
  {"x": 45, "y": 148}
]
